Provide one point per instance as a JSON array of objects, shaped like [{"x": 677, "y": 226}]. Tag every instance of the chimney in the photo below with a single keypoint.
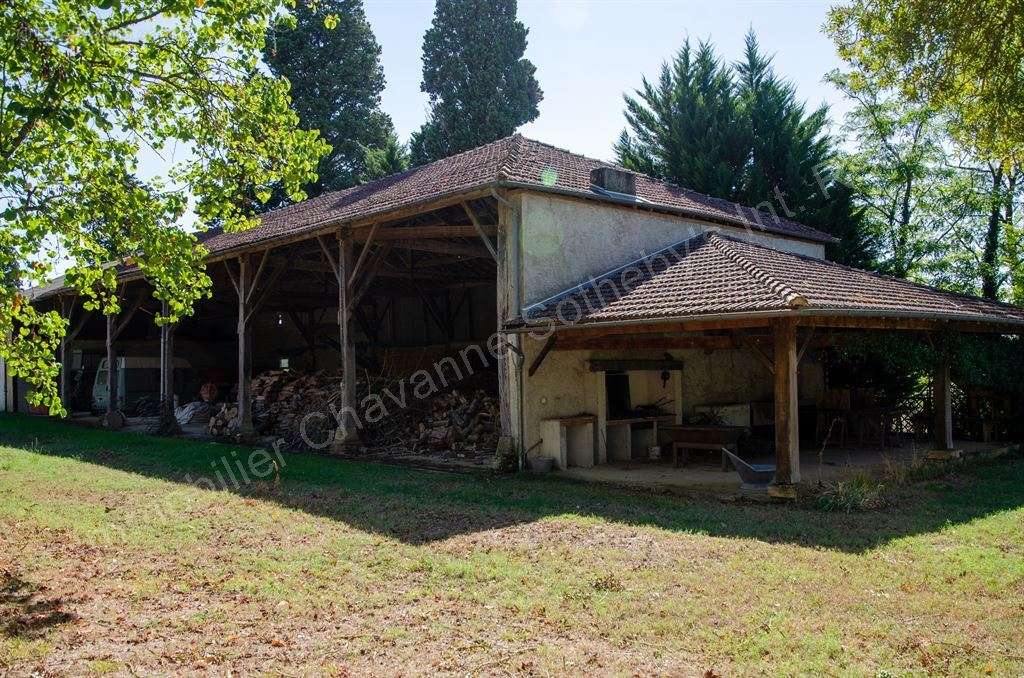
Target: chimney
[{"x": 614, "y": 180}]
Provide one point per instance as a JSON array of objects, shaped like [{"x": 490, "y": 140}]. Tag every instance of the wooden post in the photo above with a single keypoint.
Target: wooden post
[
  {"x": 67, "y": 309},
  {"x": 787, "y": 429},
  {"x": 112, "y": 419},
  {"x": 166, "y": 358},
  {"x": 502, "y": 305},
  {"x": 943, "y": 406},
  {"x": 65, "y": 345},
  {"x": 348, "y": 432},
  {"x": 244, "y": 289}
]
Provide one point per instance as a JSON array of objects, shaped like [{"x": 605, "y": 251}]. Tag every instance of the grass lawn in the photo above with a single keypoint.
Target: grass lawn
[{"x": 110, "y": 562}]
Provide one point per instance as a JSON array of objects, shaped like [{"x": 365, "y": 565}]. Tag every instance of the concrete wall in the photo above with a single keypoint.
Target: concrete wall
[
  {"x": 566, "y": 241},
  {"x": 564, "y": 386}
]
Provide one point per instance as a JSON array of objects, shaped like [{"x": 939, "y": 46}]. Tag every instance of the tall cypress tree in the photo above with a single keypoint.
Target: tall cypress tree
[
  {"x": 481, "y": 87},
  {"x": 687, "y": 128},
  {"x": 792, "y": 157},
  {"x": 332, "y": 60},
  {"x": 741, "y": 134}
]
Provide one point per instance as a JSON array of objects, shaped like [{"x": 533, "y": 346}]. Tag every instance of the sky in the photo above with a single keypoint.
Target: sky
[{"x": 589, "y": 52}]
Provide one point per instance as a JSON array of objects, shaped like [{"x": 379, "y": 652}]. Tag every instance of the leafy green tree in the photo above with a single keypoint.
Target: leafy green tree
[
  {"x": 792, "y": 158},
  {"x": 332, "y": 60},
  {"x": 962, "y": 57},
  {"x": 84, "y": 86},
  {"x": 741, "y": 134},
  {"x": 687, "y": 128},
  {"x": 481, "y": 88},
  {"x": 901, "y": 172},
  {"x": 985, "y": 254},
  {"x": 391, "y": 158}
]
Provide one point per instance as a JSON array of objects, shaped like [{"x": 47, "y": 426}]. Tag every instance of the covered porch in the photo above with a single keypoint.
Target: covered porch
[
  {"x": 705, "y": 475},
  {"x": 721, "y": 343}
]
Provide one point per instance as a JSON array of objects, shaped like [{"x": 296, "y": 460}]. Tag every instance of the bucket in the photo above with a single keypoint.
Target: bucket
[{"x": 541, "y": 464}]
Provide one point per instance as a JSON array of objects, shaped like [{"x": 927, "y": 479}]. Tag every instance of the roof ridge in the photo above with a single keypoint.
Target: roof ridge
[
  {"x": 789, "y": 296},
  {"x": 511, "y": 156}
]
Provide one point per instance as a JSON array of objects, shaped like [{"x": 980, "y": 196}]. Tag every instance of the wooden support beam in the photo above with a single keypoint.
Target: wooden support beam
[
  {"x": 113, "y": 418},
  {"x": 362, "y": 255},
  {"x": 805, "y": 345},
  {"x": 244, "y": 287},
  {"x": 396, "y": 233},
  {"x": 348, "y": 431},
  {"x": 504, "y": 363},
  {"x": 372, "y": 271},
  {"x": 544, "y": 350},
  {"x": 255, "y": 306},
  {"x": 116, "y": 325},
  {"x": 480, "y": 230},
  {"x": 753, "y": 347},
  {"x": 566, "y": 342},
  {"x": 306, "y": 328},
  {"x": 126, "y": 316},
  {"x": 941, "y": 386},
  {"x": 444, "y": 247},
  {"x": 787, "y": 428},
  {"x": 434, "y": 313},
  {"x": 633, "y": 365},
  {"x": 331, "y": 261},
  {"x": 74, "y": 329}
]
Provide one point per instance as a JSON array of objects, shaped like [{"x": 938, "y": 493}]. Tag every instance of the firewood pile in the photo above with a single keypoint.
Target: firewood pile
[
  {"x": 281, "y": 400},
  {"x": 224, "y": 421},
  {"x": 452, "y": 424}
]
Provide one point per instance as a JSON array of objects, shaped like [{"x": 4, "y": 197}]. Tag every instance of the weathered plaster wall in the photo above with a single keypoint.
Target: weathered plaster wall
[
  {"x": 566, "y": 242},
  {"x": 564, "y": 385}
]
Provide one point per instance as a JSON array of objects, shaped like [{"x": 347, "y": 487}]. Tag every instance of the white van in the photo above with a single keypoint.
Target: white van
[{"x": 136, "y": 377}]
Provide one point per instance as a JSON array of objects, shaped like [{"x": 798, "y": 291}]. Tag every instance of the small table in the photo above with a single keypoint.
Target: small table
[{"x": 684, "y": 438}]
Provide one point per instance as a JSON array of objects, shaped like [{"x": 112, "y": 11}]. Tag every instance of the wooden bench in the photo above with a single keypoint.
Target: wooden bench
[{"x": 684, "y": 438}]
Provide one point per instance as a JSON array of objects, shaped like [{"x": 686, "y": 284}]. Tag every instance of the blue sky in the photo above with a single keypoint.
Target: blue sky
[{"x": 588, "y": 52}]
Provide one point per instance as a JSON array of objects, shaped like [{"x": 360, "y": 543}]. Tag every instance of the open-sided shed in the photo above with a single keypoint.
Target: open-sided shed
[{"x": 554, "y": 271}]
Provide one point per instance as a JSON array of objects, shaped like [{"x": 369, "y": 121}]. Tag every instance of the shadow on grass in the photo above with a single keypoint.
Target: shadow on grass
[
  {"x": 26, "y": 614},
  {"x": 418, "y": 506}
]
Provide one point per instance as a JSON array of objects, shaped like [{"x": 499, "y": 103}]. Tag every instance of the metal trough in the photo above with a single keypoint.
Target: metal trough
[{"x": 754, "y": 476}]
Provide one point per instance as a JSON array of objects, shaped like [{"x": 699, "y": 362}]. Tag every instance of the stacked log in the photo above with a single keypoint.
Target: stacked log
[
  {"x": 225, "y": 421},
  {"x": 449, "y": 424},
  {"x": 452, "y": 424},
  {"x": 281, "y": 400}
]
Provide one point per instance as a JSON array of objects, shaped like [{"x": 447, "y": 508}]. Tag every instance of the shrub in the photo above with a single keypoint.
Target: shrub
[{"x": 858, "y": 493}]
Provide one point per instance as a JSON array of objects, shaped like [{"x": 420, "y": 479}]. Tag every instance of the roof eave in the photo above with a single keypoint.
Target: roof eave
[{"x": 1011, "y": 326}]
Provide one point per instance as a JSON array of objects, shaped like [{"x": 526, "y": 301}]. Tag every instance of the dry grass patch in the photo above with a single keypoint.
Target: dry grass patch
[{"x": 348, "y": 568}]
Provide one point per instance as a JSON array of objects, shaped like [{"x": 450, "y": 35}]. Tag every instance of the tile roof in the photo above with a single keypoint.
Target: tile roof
[
  {"x": 714, "y": 274},
  {"x": 512, "y": 161}
]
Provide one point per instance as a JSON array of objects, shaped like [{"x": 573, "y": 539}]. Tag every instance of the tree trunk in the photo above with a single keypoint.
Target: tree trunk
[{"x": 990, "y": 254}]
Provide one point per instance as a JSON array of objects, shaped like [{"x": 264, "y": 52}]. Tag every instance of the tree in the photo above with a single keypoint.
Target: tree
[
  {"x": 332, "y": 60},
  {"x": 958, "y": 56},
  {"x": 83, "y": 88},
  {"x": 986, "y": 253},
  {"x": 792, "y": 159},
  {"x": 688, "y": 129},
  {"x": 901, "y": 172},
  {"x": 740, "y": 134},
  {"x": 480, "y": 86},
  {"x": 391, "y": 158}
]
